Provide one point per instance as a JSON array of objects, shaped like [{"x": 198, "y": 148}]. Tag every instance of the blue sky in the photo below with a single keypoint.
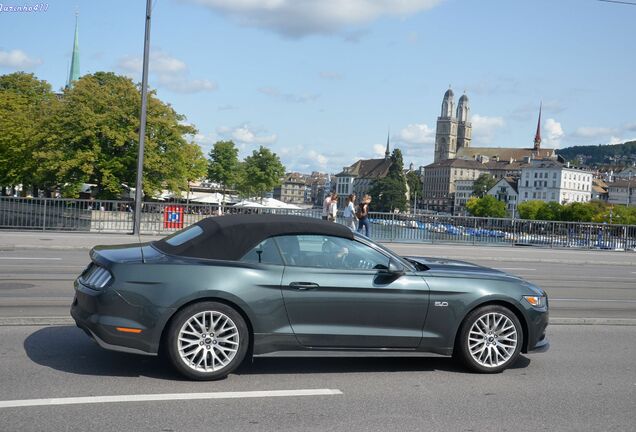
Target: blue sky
[{"x": 321, "y": 81}]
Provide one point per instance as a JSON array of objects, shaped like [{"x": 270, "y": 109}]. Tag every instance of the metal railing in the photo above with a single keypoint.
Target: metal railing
[{"x": 53, "y": 214}]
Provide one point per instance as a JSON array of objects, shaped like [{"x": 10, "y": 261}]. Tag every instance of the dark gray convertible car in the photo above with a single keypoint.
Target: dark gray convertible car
[{"x": 232, "y": 286}]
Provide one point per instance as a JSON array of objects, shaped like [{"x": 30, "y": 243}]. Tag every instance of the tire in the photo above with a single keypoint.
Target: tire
[
  {"x": 201, "y": 354},
  {"x": 490, "y": 339}
]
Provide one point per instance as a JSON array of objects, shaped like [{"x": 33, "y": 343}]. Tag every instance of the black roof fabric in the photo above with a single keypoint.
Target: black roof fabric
[{"x": 231, "y": 237}]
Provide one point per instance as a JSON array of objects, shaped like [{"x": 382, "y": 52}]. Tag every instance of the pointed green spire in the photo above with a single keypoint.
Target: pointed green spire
[{"x": 74, "y": 74}]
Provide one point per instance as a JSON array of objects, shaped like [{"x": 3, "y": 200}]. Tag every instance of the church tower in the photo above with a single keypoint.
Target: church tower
[
  {"x": 74, "y": 73},
  {"x": 537, "y": 135},
  {"x": 464, "y": 127},
  {"x": 446, "y": 132}
]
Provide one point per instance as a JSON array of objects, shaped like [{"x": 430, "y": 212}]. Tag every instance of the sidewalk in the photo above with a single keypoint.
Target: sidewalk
[
  {"x": 38, "y": 240},
  {"x": 34, "y": 240}
]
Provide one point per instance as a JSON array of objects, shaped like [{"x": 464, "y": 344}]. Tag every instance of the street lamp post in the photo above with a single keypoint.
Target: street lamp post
[{"x": 142, "y": 123}]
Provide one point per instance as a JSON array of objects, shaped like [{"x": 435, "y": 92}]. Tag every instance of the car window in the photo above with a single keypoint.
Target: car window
[
  {"x": 180, "y": 237},
  {"x": 330, "y": 252},
  {"x": 266, "y": 252}
]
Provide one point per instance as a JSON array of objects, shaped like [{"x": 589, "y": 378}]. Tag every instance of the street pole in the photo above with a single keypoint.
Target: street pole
[{"x": 142, "y": 123}]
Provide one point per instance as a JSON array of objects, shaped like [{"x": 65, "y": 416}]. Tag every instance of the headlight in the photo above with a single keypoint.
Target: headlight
[{"x": 536, "y": 301}]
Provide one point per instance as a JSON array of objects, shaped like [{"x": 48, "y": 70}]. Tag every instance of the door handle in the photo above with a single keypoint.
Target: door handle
[{"x": 303, "y": 286}]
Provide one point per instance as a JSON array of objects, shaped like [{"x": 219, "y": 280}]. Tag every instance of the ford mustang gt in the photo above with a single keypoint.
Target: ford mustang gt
[{"x": 233, "y": 286}]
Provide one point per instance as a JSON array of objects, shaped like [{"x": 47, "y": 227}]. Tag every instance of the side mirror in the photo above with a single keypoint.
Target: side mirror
[{"x": 394, "y": 268}]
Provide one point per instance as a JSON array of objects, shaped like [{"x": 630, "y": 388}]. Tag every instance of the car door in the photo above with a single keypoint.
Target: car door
[{"x": 338, "y": 294}]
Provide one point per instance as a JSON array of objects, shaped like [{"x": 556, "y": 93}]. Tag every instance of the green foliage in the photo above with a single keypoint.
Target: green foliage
[
  {"x": 389, "y": 193},
  {"x": 550, "y": 211},
  {"x": 261, "y": 172},
  {"x": 599, "y": 154},
  {"x": 487, "y": 206},
  {"x": 26, "y": 103},
  {"x": 593, "y": 211},
  {"x": 224, "y": 165},
  {"x": 483, "y": 184},
  {"x": 415, "y": 183},
  {"x": 529, "y": 209},
  {"x": 93, "y": 138}
]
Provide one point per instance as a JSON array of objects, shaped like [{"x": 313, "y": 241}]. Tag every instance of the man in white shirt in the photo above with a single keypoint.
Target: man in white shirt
[{"x": 325, "y": 207}]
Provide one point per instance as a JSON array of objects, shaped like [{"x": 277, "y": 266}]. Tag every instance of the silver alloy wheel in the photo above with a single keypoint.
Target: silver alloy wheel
[
  {"x": 492, "y": 339},
  {"x": 208, "y": 341}
]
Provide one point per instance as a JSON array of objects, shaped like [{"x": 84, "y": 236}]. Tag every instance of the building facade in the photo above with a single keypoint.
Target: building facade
[
  {"x": 505, "y": 190},
  {"x": 549, "y": 180},
  {"x": 622, "y": 192}
]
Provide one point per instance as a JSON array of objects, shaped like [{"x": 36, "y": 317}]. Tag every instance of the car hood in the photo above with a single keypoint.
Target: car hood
[{"x": 456, "y": 268}]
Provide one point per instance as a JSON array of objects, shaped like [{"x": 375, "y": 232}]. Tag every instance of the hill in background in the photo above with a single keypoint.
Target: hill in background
[{"x": 594, "y": 155}]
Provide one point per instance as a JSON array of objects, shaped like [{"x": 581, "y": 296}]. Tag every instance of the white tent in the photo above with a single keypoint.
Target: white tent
[
  {"x": 246, "y": 203},
  {"x": 211, "y": 198},
  {"x": 274, "y": 203}
]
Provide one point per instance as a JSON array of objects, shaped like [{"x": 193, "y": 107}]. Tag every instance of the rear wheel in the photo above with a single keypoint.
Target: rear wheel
[
  {"x": 207, "y": 340},
  {"x": 490, "y": 339}
]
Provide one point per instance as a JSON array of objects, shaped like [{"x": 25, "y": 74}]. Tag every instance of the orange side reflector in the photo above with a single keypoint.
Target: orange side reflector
[{"x": 128, "y": 330}]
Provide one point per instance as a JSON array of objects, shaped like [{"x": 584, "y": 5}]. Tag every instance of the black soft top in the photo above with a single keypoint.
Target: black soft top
[{"x": 231, "y": 237}]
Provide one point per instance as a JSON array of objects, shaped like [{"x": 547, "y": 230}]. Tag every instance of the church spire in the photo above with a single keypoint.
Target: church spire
[
  {"x": 387, "y": 153},
  {"x": 74, "y": 73},
  {"x": 537, "y": 136}
]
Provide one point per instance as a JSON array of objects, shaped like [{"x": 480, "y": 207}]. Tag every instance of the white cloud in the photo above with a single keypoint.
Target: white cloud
[
  {"x": 378, "y": 150},
  {"x": 246, "y": 135},
  {"x": 298, "y": 18},
  {"x": 417, "y": 134},
  {"x": 593, "y": 132},
  {"x": 485, "y": 128},
  {"x": 169, "y": 72},
  {"x": 553, "y": 133},
  {"x": 298, "y": 158},
  {"x": 17, "y": 59},
  {"x": 179, "y": 85},
  {"x": 288, "y": 97}
]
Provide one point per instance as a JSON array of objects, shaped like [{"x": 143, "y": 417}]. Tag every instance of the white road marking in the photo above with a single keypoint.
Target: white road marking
[
  {"x": 30, "y": 258},
  {"x": 593, "y": 300},
  {"x": 166, "y": 397},
  {"x": 515, "y": 268}
]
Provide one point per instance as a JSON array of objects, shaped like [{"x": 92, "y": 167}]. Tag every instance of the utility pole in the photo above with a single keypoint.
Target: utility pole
[{"x": 142, "y": 123}]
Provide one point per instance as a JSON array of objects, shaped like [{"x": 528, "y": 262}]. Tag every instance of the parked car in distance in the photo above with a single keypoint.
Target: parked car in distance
[{"x": 233, "y": 286}]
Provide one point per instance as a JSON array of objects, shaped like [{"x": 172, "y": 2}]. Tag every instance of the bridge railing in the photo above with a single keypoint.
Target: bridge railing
[{"x": 57, "y": 214}]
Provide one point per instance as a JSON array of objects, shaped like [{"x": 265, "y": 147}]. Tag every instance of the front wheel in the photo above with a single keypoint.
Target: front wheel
[
  {"x": 207, "y": 340},
  {"x": 490, "y": 339}
]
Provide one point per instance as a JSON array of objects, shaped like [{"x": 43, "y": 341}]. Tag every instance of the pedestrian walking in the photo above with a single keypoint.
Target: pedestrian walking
[
  {"x": 325, "y": 207},
  {"x": 363, "y": 216},
  {"x": 333, "y": 207},
  {"x": 349, "y": 213}
]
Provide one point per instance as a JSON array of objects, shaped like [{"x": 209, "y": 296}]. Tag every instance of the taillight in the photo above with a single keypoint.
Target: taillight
[{"x": 96, "y": 277}]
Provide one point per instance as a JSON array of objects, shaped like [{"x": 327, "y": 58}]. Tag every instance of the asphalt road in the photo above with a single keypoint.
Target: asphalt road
[
  {"x": 586, "y": 382},
  {"x": 580, "y": 284}
]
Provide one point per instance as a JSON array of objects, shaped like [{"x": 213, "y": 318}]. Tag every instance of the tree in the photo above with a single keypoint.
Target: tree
[
  {"x": 196, "y": 165},
  {"x": 224, "y": 166},
  {"x": 93, "y": 138},
  {"x": 261, "y": 172},
  {"x": 415, "y": 184},
  {"x": 578, "y": 212},
  {"x": 483, "y": 184},
  {"x": 487, "y": 206},
  {"x": 551, "y": 211},
  {"x": 25, "y": 104},
  {"x": 389, "y": 193},
  {"x": 529, "y": 209}
]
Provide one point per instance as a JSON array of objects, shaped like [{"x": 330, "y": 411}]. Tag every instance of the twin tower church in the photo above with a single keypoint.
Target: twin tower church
[{"x": 454, "y": 130}]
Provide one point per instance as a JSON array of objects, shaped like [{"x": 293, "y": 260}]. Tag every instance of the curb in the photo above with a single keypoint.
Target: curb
[{"x": 62, "y": 320}]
